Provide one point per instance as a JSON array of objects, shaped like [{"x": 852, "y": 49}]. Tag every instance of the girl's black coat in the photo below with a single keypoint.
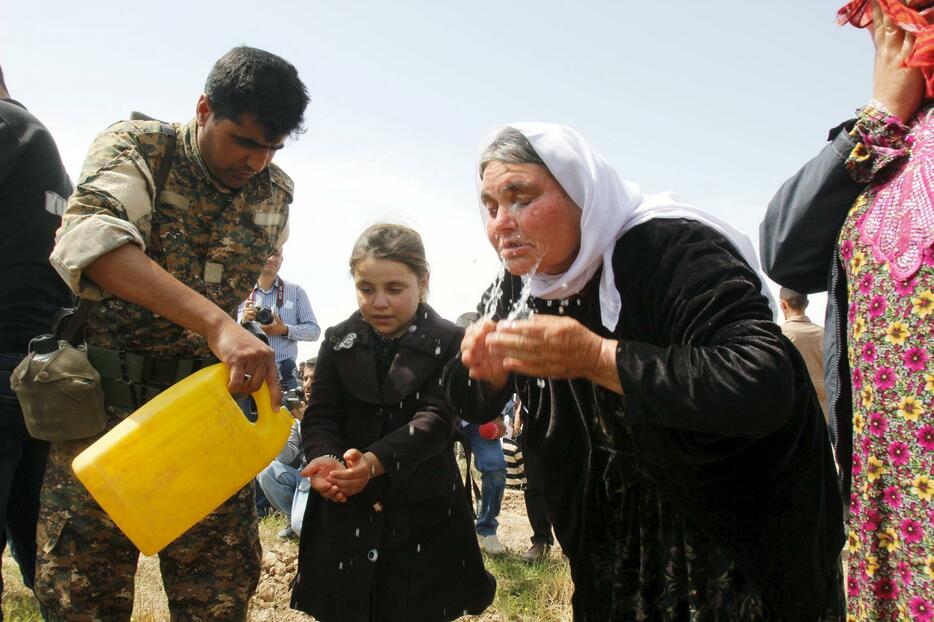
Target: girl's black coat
[{"x": 405, "y": 547}]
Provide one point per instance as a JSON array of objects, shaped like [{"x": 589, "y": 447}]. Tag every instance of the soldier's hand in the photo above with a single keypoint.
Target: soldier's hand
[{"x": 249, "y": 360}]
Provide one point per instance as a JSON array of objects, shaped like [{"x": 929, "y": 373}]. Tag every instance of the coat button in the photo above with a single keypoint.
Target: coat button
[{"x": 372, "y": 555}]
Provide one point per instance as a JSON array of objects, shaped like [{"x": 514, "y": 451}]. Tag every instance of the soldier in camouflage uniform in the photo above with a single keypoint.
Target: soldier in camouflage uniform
[{"x": 170, "y": 225}]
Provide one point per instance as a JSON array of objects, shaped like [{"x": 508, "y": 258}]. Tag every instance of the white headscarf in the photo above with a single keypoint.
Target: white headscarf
[{"x": 609, "y": 208}]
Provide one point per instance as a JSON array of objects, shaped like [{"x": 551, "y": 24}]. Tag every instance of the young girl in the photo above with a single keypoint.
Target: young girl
[{"x": 389, "y": 536}]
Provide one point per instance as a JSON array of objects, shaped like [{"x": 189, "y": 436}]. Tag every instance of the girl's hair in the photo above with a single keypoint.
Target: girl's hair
[{"x": 392, "y": 242}]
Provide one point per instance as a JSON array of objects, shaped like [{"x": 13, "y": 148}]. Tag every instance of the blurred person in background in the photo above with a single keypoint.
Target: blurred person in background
[
  {"x": 33, "y": 191},
  {"x": 807, "y": 336}
]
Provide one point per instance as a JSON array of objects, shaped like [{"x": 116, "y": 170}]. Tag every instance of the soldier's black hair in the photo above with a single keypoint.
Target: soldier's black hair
[{"x": 254, "y": 81}]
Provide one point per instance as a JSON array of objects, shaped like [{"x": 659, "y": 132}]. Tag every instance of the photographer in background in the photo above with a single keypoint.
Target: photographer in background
[
  {"x": 284, "y": 313},
  {"x": 282, "y": 310},
  {"x": 280, "y": 481}
]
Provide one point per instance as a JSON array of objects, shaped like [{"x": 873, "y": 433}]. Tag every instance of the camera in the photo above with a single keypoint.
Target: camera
[
  {"x": 264, "y": 315},
  {"x": 293, "y": 398}
]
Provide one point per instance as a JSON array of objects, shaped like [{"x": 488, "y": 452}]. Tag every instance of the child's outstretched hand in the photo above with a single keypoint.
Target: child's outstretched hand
[
  {"x": 360, "y": 469},
  {"x": 318, "y": 471}
]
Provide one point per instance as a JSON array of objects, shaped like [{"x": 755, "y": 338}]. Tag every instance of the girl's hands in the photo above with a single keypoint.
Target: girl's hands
[
  {"x": 353, "y": 479},
  {"x": 318, "y": 471},
  {"x": 898, "y": 88}
]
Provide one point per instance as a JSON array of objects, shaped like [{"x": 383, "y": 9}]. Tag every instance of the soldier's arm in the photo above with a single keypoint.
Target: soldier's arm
[
  {"x": 130, "y": 274},
  {"x": 101, "y": 242},
  {"x": 112, "y": 203}
]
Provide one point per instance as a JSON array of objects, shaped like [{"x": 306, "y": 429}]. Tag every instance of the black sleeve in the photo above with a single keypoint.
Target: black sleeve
[
  {"x": 10, "y": 149},
  {"x": 427, "y": 434},
  {"x": 703, "y": 354},
  {"x": 799, "y": 232},
  {"x": 473, "y": 400},
  {"x": 323, "y": 426}
]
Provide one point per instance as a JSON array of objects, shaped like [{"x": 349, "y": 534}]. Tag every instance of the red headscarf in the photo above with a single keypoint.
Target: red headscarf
[{"x": 859, "y": 13}]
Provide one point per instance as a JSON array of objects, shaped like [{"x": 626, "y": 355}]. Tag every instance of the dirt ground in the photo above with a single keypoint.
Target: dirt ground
[{"x": 271, "y": 601}]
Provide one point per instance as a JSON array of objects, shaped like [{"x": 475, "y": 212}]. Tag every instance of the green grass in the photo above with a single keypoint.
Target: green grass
[
  {"x": 527, "y": 592},
  {"x": 19, "y": 605}
]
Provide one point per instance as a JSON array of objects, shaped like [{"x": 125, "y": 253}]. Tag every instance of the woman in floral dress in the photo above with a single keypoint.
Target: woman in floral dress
[{"x": 881, "y": 309}]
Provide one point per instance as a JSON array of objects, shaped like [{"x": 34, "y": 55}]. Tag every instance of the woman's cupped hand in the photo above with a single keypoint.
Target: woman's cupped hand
[{"x": 545, "y": 346}]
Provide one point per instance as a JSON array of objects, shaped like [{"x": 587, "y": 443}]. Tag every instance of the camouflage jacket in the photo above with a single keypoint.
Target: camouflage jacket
[{"x": 212, "y": 239}]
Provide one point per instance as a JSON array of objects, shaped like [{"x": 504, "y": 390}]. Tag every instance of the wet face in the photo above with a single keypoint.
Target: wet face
[
  {"x": 234, "y": 152},
  {"x": 308, "y": 375},
  {"x": 273, "y": 263},
  {"x": 388, "y": 293},
  {"x": 531, "y": 219}
]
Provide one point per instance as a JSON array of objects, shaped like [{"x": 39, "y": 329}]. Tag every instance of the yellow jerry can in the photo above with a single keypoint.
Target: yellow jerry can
[{"x": 179, "y": 457}]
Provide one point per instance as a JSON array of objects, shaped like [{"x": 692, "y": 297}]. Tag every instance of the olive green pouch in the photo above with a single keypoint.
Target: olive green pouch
[{"x": 60, "y": 394}]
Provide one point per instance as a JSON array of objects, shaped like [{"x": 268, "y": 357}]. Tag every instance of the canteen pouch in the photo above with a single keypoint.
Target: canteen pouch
[{"x": 61, "y": 398}]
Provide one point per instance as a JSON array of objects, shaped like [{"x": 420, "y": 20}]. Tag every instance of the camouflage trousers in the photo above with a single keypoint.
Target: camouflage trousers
[{"x": 86, "y": 566}]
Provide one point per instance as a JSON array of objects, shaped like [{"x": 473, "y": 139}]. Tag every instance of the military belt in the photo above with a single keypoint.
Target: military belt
[{"x": 130, "y": 380}]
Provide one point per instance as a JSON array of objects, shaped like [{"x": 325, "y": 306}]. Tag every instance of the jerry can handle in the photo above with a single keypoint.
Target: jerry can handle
[{"x": 264, "y": 411}]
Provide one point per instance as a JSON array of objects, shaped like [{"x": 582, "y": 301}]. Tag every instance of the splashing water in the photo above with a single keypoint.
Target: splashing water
[
  {"x": 520, "y": 308},
  {"x": 496, "y": 293}
]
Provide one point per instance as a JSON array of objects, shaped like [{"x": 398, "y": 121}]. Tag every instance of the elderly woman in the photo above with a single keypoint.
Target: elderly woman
[
  {"x": 858, "y": 221},
  {"x": 687, "y": 462}
]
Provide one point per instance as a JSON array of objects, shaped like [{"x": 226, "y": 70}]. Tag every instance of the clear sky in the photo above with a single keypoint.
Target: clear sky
[{"x": 718, "y": 101}]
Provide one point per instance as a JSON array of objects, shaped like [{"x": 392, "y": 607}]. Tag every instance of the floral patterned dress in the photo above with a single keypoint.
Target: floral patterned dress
[{"x": 890, "y": 346}]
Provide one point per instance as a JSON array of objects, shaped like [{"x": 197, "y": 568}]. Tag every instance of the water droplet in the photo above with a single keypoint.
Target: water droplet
[
  {"x": 357, "y": 532},
  {"x": 549, "y": 302},
  {"x": 468, "y": 382},
  {"x": 561, "y": 310},
  {"x": 411, "y": 430},
  {"x": 578, "y": 302},
  {"x": 426, "y": 315},
  {"x": 400, "y": 404},
  {"x": 541, "y": 383},
  {"x": 418, "y": 548},
  {"x": 437, "y": 350},
  {"x": 340, "y": 566},
  {"x": 450, "y": 511},
  {"x": 416, "y": 395},
  {"x": 398, "y": 466}
]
